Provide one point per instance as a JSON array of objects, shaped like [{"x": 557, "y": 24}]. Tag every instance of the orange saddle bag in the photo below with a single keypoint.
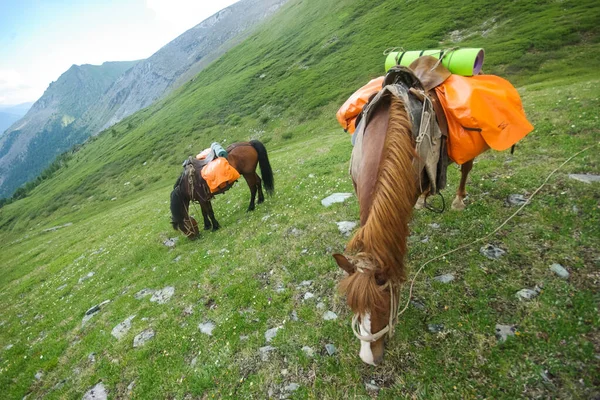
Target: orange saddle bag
[
  {"x": 219, "y": 173},
  {"x": 348, "y": 112}
]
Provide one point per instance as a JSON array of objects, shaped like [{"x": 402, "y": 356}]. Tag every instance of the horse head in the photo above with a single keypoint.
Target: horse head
[{"x": 371, "y": 297}]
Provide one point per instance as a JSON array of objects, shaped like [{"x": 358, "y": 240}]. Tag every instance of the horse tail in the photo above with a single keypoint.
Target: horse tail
[
  {"x": 265, "y": 166},
  {"x": 177, "y": 207}
]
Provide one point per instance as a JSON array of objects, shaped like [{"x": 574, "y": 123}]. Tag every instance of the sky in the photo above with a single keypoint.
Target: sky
[{"x": 41, "y": 39}]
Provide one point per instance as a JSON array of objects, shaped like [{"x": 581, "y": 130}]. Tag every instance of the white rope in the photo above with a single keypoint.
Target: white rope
[{"x": 491, "y": 233}]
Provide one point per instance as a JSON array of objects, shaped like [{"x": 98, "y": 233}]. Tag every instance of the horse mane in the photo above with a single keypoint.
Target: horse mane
[
  {"x": 379, "y": 246},
  {"x": 177, "y": 207}
]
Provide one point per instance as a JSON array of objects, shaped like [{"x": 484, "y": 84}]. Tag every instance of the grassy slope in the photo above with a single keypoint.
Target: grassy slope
[{"x": 291, "y": 110}]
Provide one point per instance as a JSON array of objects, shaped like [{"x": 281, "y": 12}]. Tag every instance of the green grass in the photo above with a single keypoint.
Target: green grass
[{"x": 540, "y": 46}]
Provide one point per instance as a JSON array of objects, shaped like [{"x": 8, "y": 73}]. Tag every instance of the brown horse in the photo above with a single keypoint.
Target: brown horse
[
  {"x": 387, "y": 189},
  {"x": 244, "y": 157}
]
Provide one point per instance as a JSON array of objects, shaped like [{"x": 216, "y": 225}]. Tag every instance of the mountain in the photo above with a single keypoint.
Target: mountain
[
  {"x": 61, "y": 119},
  {"x": 11, "y": 113},
  {"x": 33, "y": 141}
]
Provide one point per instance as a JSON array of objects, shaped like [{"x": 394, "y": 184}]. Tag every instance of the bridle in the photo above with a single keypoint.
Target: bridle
[{"x": 393, "y": 318}]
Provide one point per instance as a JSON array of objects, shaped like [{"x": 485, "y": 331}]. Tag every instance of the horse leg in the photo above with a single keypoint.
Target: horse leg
[
  {"x": 211, "y": 214},
  {"x": 420, "y": 204},
  {"x": 261, "y": 197},
  {"x": 251, "y": 181},
  {"x": 207, "y": 224},
  {"x": 458, "y": 203}
]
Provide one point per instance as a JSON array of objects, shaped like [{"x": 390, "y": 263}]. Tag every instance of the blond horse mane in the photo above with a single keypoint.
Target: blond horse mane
[{"x": 379, "y": 246}]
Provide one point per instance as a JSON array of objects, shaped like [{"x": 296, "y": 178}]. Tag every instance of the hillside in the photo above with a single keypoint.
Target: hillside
[
  {"x": 93, "y": 229},
  {"x": 32, "y": 142},
  {"x": 81, "y": 103}
]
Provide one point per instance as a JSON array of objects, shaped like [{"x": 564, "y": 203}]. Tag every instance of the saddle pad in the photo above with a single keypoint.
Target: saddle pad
[
  {"x": 218, "y": 174},
  {"x": 483, "y": 111}
]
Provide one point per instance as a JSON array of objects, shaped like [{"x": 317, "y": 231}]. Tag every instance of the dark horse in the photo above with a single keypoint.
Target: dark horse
[{"x": 244, "y": 157}]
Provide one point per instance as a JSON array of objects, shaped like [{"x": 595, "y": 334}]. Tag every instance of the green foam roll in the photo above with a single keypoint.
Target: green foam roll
[{"x": 465, "y": 62}]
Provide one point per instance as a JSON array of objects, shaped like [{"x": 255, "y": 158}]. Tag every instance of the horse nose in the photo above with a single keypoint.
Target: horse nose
[{"x": 378, "y": 360}]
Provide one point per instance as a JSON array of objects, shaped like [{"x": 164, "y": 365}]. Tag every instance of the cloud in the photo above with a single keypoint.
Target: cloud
[{"x": 14, "y": 89}]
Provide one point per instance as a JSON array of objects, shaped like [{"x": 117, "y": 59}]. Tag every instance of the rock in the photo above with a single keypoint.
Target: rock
[
  {"x": 207, "y": 327},
  {"x": 122, "y": 328},
  {"x": 492, "y": 252},
  {"x": 294, "y": 316},
  {"x": 417, "y": 304},
  {"x": 170, "y": 242},
  {"x": 515, "y": 200},
  {"x": 243, "y": 338},
  {"x": 346, "y": 227},
  {"x": 372, "y": 387},
  {"x": 335, "y": 198},
  {"x": 434, "y": 225},
  {"x": 130, "y": 388},
  {"x": 329, "y": 316},
  {"x": 308, "y": 351},
  {"x": 559, "y": 270},
  {"x": 304, "y": 251},
  {"x": 435, "y": 328},
  {"x": 320, "y": 305},
  {"x": 295, "y": 232},
  {"x": 86, "y": 277},
  {"x": 143, "y": 293},
  {"x": 425, "y": 239},
  {"x": 504, "y": 331},
  {"x": 92, "y": 357},
  {"x": 330, "y": 349},
  {"x": 305, "y": 283},
  {"x": 264, "y": 352},
  {"x": 292, "y": 387},
  {"x": 528, "y": 294},
  {"x": 308, "y": 295},
  {"x": 92, "y": 311},
  {"x": 279, "y": 289},
  {"x": 98, "y": 392},
  {"x": 446, "y": 278},
  {"x": 39, "y": 375},
  {"x": 163, "y": 295},
  {"x": 143, "y": 337},
  {"x": 271, "y": 333},
  {"x": 9, "y": 346},
  {"x": 59, "y": 384},
  {"x": 187, "y": 311},
  {"x": 311, "y": 176},
  {"x": 176, "y": 259},
  {"x": 194, "y": 361},
  {"x": 585, "y": 178},
  {"x": 58, "y": 289}
]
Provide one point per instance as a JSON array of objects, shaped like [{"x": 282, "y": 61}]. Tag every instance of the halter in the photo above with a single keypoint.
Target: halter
[{"x": 393, "y": 319}]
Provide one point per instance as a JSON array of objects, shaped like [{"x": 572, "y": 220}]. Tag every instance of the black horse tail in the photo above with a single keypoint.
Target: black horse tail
[
  {"x": 265, "y": 166},
  {"x": 177, "y": 207}
]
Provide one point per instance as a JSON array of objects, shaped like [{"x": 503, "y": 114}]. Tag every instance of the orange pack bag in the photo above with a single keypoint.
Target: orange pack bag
[
  {"x": 348, "y": 112},
  {"x": 483, "y": 111},
  {"x": 218, "y": 173}
]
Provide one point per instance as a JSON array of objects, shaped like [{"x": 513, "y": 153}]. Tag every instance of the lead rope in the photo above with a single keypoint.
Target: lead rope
[{"x": 491, "y": 233}]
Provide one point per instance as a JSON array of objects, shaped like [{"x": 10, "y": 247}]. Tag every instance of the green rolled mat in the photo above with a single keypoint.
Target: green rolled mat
[
  {"x": 219, "y": 150},
  {"x": 465, "y": 62}
]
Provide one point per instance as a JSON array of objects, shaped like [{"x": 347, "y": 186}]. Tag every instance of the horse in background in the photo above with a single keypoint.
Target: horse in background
[{"x": 190, "y": 186}]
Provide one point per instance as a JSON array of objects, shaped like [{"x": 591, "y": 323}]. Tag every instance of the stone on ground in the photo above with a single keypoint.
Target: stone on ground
[
  {"x": 492, "y": 252},
  {"x": 98, "y": 392},
  {"x": 345, "y": 227},
  {"x": 528, "y": 294},
  {"x": 330, "y": 348},
  {"x": 143, "y": 293},
  {"x": 585, "y": 178},
  {"x": 308, "y": 295},
  {"x": 335, "y": 198},
  {"x": 292, "y": 387},
  {"x": 271, "y": 333},
  {"x": 329, "y": 316},
  {"x": 122, "y": 328},
  {"x": 142, "y": 338},
  {"x": 559, "y": 270},
  {"x": 435, "y": 328},
  {"x": 308, "y": 351},
  {"x": 504, "y": 331},
  {"x": 264, "y": 352},
  {"x": 163, "y": 295},
  {"x": 446, "y": 278},
  {"x": 206, "y": 327},
  {"x": 516, "y": 200},
  {"x": 372, "y": 387}
]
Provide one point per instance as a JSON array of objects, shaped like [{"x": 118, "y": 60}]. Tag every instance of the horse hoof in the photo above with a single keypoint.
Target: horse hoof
[
  {"x": 215, "y": 228},
  {"x": 207, "y": 227},
  {"x": 458, "y": 204},
  {"x": 250, "y": 209}
]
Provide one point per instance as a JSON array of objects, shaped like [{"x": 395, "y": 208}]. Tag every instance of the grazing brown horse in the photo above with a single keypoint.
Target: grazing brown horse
[
  {"x": 387, "y": 189},
  {"x": 244, "y": 157}
]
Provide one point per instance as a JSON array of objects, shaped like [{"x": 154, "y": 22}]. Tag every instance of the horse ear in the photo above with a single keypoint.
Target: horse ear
[{"x": 344, "y": 264}]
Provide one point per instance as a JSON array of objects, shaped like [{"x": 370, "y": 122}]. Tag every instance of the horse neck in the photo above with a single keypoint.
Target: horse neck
[{"x": 383, "y": 237}]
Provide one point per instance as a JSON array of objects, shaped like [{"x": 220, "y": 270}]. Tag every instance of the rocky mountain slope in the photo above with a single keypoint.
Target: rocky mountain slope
[{"x": 78, "y": 106}]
